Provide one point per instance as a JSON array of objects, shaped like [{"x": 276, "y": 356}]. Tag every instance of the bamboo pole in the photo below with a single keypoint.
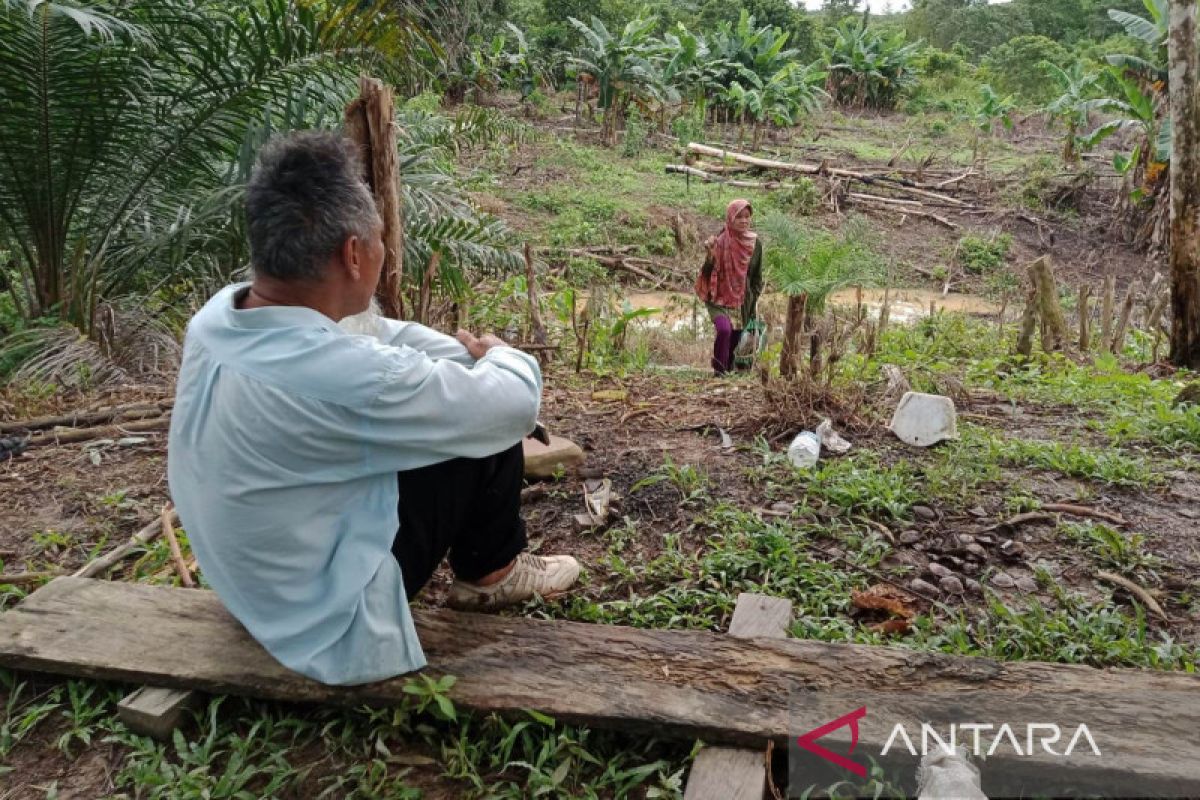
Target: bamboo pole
[{"x": 535, "y": 318}]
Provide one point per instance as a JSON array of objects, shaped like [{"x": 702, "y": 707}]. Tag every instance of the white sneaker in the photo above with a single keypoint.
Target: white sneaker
[{"x": 541, "y": 576}]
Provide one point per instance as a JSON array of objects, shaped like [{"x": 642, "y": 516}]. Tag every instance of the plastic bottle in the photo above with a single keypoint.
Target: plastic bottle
[{"x": 805, "y": 450}]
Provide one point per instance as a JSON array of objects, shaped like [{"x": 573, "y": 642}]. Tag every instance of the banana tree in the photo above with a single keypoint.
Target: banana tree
[
  {"x": 623, "y": 66},
  {"x": 1153, "y": 31},
  {"x": 1077, "y": 85},
  {"x": 989, "y": 109}
]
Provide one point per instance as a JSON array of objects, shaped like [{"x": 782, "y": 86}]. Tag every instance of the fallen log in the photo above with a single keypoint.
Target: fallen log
[
  {"x": 824, "y": 169},
  {"x": 683, "y": 169},
  {"x": 76, "y": 435},
  {"x": 75, "y": 419},
  {"x": 691, "y": 684}
]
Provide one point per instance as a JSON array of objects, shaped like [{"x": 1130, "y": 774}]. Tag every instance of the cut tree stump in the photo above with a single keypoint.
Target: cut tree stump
[
  {"x": 688, "y": 684},
  {"x": 155, "y": 711},
  {"x": 733, "y": 773}
]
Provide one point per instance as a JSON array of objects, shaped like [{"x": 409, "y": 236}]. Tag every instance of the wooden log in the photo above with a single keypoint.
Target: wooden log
[
  {"x": 731, "y": 773},
  {"x": 131, "y": 411},
  {"x": 76, "y": 435},
  {"x": 156, "y": 711},
  {"x": 1029, "y": 318},
  {"x": 370, "y": 123},
  {"x": 1118, "y": 339},
  {"x": 691, "y": 684},
  {"x": 822, "y": 169},
  {"x": 1085, "y": 292},
  {"x": 1054, "y": 323},
  {"x": 1107, "y": 305},
  {"x": 707, "y": 177}
]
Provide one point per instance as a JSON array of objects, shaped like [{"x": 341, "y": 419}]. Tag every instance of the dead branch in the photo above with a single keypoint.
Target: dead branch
[
  {"x": 1084, "y": 511},
  {"x": 1137, "y": 591},
  {"x": 140, "y": 539},
  {"x": 168, "y": 529}
]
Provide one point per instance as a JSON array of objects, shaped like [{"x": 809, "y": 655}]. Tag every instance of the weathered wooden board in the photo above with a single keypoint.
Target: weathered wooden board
[
  {"x": 692, "y": 684},
  {"x": 736, "y": 773}
]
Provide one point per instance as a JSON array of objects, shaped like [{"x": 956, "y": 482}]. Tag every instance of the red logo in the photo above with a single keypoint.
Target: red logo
[{"x": 809, "y": 741}]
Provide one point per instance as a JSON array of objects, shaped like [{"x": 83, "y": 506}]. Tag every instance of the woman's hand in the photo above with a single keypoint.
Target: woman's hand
[{"x": 710, "y": 245}]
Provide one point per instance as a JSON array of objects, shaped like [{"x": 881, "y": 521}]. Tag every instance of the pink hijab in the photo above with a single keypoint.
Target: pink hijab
[{"x": 726, "y": 284}]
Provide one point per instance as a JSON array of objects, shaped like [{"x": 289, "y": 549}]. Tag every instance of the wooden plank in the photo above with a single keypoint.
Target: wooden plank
[
  {"x": 691, "y": 684},
  {"x": 156, "y": 711},
  {"x": 734, "y": 773},
  {"x": 760, "y": 615},
  {"x": 727, "y": 773}
]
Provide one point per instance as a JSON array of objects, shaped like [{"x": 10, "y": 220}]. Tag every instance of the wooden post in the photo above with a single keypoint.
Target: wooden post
[
  {"x": 424, "y": 299},
  {"x": 535, "y": 318},
  {"x": 791, "y": 333},
  {"x": 1029, "y": 318},
  {"x": 1118, "y": 339},
  {"x": 1085, "y": 293},
  {"x": 1107, "y": 306},
  {"x": 1184, "y": 257},
  {"x": 729, "y": 773},
  {"x": 1054, "y": 332},
  {"x": 370, "y": 123}
]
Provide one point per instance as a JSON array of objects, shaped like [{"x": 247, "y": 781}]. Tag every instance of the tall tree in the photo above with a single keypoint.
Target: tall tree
[{"x": 1185, "y": 185}]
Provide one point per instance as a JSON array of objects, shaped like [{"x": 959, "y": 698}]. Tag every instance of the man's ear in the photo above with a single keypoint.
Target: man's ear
[{"x": 351, "y": 257}]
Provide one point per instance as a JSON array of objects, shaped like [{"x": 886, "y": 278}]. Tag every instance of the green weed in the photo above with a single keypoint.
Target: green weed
[{"x": 1109, "y": 547}]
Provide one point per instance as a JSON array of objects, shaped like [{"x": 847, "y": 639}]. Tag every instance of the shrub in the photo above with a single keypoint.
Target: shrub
[
  {"x": 980, "y": 256},
  {"x": 1015, "y": 67}
]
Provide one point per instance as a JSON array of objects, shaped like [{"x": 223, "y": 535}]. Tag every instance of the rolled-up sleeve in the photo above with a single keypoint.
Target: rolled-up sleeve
[
  {"x": 434, "y": 344},
  {"x": 433, "y": 409}
]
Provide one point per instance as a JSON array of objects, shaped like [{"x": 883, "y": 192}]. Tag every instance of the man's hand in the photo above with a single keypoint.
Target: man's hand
[{"x": 477, "y": 346}]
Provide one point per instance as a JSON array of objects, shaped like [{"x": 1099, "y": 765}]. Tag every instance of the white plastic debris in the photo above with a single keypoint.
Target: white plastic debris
[
  {"x": 923, "y": 420},
  {"x": 805, "y": 450},
  {"x": 831, "y": 440},
  {"x": 948, "y": 776}
]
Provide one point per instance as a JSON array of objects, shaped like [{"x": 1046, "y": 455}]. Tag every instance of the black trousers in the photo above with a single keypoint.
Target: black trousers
[{"x": 467, "y": 507}]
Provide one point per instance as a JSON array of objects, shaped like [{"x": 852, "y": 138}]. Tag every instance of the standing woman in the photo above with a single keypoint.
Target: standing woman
[{"x": 730, "y": 281}]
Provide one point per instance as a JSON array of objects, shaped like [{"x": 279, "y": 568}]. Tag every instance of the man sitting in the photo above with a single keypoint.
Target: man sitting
[{"x": 322, "y": 476}]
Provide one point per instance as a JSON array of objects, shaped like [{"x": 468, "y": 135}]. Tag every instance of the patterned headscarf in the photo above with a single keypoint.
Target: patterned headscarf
[{"x": 726, "y": 284}]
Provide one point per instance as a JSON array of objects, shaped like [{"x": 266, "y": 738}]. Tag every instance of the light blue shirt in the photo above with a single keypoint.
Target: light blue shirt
[{"x": 286, "y": 437}]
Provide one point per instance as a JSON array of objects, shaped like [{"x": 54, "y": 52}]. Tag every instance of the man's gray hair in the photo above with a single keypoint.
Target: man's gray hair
[{"x": 305, "y": 198}]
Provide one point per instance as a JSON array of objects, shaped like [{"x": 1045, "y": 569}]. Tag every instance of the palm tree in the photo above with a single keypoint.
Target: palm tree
[{"x": 126, "y": 139}]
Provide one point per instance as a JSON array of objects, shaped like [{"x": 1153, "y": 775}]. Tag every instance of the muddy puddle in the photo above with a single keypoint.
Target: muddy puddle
[{"x": 681, "y": 311}]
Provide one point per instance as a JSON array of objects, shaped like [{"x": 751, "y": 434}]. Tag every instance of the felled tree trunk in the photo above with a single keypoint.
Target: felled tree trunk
[
  {"x": 370, "y": 123},
  {"x": 1184, "y": 254}
]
